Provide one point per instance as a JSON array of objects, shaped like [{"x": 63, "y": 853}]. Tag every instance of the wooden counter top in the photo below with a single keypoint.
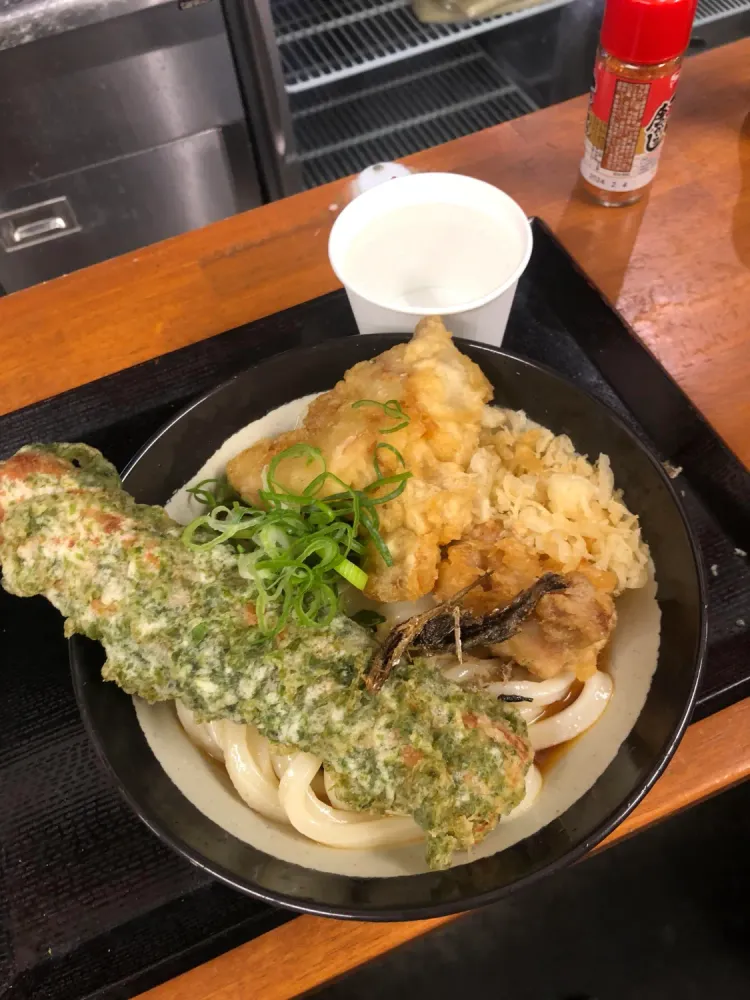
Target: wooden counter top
[{"x": 677, "y": 266}]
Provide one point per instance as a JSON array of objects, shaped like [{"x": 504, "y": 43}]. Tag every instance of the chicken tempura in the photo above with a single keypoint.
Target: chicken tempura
[{"x": 442, "y": 393}]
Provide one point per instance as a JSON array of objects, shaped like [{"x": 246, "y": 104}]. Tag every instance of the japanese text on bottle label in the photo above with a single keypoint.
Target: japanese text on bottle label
[{"x": 625, "y": 128}]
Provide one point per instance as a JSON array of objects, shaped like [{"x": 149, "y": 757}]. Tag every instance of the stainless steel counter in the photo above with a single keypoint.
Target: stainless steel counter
[
  {"x": 24, "y": 21},
  {"x": 122, "y": 124}
]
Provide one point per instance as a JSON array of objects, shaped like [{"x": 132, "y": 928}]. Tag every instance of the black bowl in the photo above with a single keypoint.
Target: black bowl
[{"x": 181, "y": 447}]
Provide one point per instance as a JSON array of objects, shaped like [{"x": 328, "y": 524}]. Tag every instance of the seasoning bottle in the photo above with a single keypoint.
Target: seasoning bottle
[{"x": 635, "y": 76}]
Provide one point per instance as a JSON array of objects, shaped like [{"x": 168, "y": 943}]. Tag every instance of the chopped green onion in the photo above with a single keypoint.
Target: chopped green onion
[
  {"x": 401, "y": 479},
  {"x": 295, "y": 451},
  {"x": 368, "y": 619},
  {"x": 371, "y": 526},
  {"x": 352, "y": 573},
  {"x": 219, "y": 493},
  {"x": 296, "y": 548},
  {"x": 392, "y": 409},
  {"x": 386, "y": 447}
]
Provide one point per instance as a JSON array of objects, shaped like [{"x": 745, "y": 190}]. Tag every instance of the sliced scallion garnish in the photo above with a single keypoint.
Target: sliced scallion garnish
[
  {"x": 384, "y": 446},
  {"x": 296, "y": 547},
  {"x": 213, "y": 492},
  {"x": 368, "y": 619},
  {"x": 352, "y": 573},
  {"x": 391, "y": 408}
]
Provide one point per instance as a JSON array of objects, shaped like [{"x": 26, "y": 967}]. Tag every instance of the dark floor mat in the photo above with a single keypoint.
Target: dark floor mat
[{"x": 663, "y": 916}]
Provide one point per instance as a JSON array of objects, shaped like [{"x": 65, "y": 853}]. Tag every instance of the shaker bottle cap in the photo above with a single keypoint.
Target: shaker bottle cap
[{"x": 647, "y": 31}]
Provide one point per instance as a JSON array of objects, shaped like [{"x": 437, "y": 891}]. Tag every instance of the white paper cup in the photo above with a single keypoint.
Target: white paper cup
[{"x": 393, "y": 304}]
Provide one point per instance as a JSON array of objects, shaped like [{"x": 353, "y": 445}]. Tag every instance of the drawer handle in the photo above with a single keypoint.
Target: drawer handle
[
  {"x": 33, "y": 230},
  {"x": 34, "y": 224}
]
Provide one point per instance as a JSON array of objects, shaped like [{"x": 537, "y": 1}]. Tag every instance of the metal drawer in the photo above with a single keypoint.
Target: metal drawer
[
  {"x": 105, "y": 90},
  {"x": 77, "y": 219}
]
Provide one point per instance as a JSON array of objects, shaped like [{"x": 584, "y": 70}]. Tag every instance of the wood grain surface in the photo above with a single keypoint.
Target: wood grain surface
[
  {"x": 677, "y": 266},
  {"x": 715, "y": 753}
]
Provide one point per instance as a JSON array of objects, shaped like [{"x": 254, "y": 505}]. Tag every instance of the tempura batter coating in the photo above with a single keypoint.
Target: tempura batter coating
[
  {"x": 178, "y": 624},
  {"x": 443, "y": 394}
]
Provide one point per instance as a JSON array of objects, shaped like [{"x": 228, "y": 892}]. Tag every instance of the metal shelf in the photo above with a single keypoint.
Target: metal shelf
[
  {"x": 447, "y": 95},
  {"x": 440, "y": 94},
  {"x": 324, "y": 42},
  {"x": 321, "y": 42},
  {"x": 714, "y": 10}
]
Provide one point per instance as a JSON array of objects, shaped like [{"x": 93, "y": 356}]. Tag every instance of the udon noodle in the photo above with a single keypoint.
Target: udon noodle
[{"x": 295, "y": 789}]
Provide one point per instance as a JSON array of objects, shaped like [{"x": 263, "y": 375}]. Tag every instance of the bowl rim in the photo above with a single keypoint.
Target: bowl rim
[{"x": 373, "y": 345}]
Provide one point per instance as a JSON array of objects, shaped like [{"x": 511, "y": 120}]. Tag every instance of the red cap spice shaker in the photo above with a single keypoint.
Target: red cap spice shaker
[{"x": 635, "y": 76}]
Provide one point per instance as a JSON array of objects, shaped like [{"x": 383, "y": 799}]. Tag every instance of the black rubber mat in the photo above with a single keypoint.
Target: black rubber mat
[{"x": 91, "y": 903}]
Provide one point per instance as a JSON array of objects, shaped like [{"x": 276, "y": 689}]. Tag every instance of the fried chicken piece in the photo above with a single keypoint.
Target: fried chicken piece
[
  {"x": 443, "y": 394},
  {"x": 568, "y": 629}
]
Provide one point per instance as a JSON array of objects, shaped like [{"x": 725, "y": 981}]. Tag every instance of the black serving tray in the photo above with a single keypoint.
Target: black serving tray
[{"x": 91, "y": 903}]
